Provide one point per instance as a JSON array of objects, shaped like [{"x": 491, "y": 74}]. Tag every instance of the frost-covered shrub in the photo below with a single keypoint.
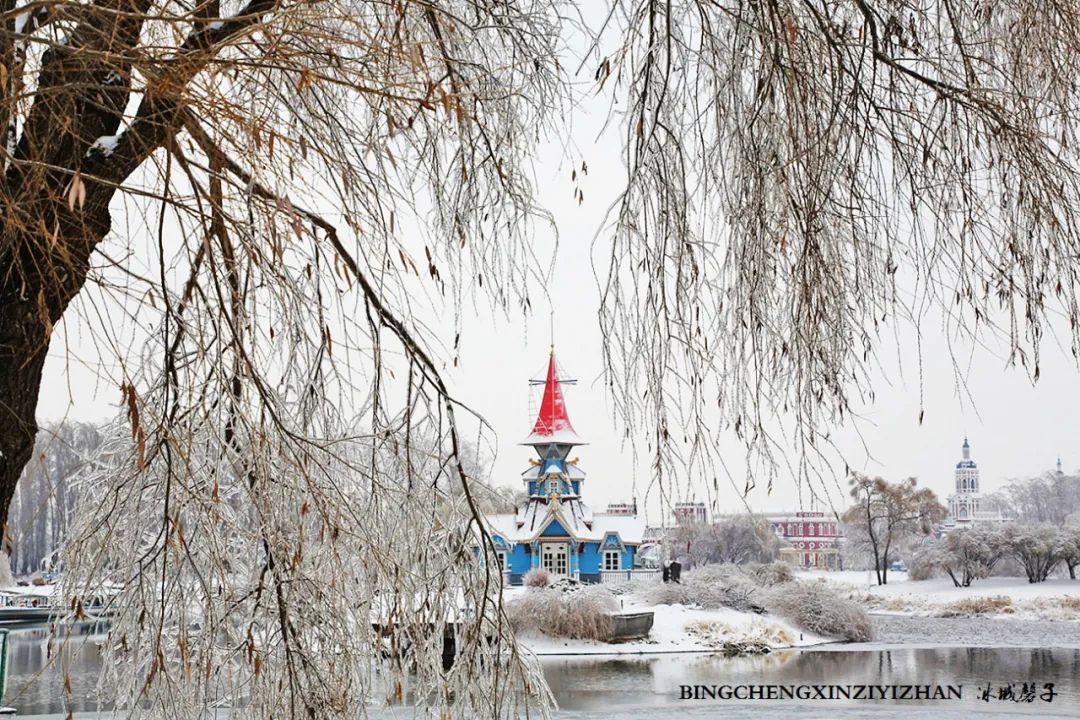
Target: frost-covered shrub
[
  {"x": 925, "y": 559},
  {"x": 710, "y": 587},
  {"x": 758, "y": 639},
  {"x": 770, "y": 574},
  {"x": 968, "y": 607},
  {"x": 537, "y": 578},
  {"x": 578, "y": 613},
  {"x": 813, "y": 606}
]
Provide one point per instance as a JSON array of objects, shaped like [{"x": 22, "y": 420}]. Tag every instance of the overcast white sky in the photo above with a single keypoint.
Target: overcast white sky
[{"x": 1016, "y": 429}]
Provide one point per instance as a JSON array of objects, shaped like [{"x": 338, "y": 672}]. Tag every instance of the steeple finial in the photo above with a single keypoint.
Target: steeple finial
[{"x": 1059, "y": 466}]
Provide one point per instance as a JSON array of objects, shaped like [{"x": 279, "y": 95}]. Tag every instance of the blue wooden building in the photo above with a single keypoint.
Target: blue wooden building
[{"x": 554, "y": 528}]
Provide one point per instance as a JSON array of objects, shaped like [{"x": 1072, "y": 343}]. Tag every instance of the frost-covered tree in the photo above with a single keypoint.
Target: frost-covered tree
[
  {"x": 737, "y": 539},
  {"x": 289, "y": 581},
  {"x": 965, "y": 555},
  {"x": 266, "y": 191},
  {"x": 885, "y": 515},
  {"x": 44, "y": 501},
  {"x": 1048, "y": 498},
  {"x": 1070, "y": 545},
  {"x": 1038, "y": 548}
]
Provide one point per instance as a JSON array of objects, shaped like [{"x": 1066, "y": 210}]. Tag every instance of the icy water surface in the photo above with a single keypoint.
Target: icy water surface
[{"x": 648, "y": 687}]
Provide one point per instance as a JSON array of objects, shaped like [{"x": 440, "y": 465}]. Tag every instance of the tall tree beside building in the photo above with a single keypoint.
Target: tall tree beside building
[{"x": 886, "y": 514}]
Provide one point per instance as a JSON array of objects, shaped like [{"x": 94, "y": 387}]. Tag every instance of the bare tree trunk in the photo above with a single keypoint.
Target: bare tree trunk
[
  {"x": 24, "y": 340},
  {"x": 45, "y": 275}
]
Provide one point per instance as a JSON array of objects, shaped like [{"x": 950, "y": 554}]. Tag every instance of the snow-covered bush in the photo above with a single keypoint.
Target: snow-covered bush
[
  {"x": 710, "y": 587},
  {"x": 736, "y": 540},
  {"x": 969, "y": 607},
  {"x": 770, "y": 574},
  {"x": 758, "y": 639},
  {"x": 578, "y": 613},
  {"x": 924, "y": 559},
  {"x": 537, "y": 578},
  {"x": 813, "y": 606}
]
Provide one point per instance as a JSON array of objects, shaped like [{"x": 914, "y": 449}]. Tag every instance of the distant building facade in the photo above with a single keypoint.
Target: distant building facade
[
  {"x": 813, "y": 539},
  {"x": 625, "y": 509},
  {"x": 966, "y": 505},
  {"x": 690, "y": 513}
]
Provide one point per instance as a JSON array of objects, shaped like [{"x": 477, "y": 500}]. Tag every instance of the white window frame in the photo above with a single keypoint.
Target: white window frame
[
  {"x": 503, "y": 559},
  {"x": 608, "y": 554}
]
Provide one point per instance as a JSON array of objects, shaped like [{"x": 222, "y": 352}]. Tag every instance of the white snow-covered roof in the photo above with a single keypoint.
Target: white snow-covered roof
[
  {"x": 579, "y": 521},
  {"x": 631, "y": 528},
  {"x": 503, "y": 525}
]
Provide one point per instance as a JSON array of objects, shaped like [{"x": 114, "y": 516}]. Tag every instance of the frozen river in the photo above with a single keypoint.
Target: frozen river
[{"x": 649, "y": 687}]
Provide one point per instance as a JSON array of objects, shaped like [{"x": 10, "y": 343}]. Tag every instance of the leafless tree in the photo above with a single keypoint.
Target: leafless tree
[
  {"x": 239, "y": 199},
  {"x": 1070, "y": 547},
  {"x": 43, "y": 505},
  {"x": 1048, "y": 498},
  {"x": 805, "y": 179},
  {"x": 885, "y": 513}
]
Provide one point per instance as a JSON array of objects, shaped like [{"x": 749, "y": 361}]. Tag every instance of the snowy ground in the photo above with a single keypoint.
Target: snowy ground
[
  {"x": 678, "y": 628},
  {"x": 1006, "y": 597}
]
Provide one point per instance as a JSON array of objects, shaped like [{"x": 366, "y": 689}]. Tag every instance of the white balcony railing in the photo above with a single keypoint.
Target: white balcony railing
[{"x": 615, "y": 576}]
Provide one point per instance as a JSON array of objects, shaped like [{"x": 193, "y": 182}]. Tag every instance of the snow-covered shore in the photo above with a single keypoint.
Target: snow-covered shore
[
  {"x": 1005, "y": 597},
  {"x": 681, "y": 629}
]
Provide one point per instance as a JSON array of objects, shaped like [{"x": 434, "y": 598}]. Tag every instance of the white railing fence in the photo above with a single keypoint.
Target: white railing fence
[{"x": 615, "y": 576}]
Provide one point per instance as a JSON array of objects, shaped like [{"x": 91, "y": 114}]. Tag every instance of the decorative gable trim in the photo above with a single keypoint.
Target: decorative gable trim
[{"x": 612, "y": 541}]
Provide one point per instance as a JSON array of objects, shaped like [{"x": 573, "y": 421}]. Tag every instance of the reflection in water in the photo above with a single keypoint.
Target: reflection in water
[
  {"x": 594, "y": 687},
  {"x": 591, "y": 684},
  {"x": 38, "y": 658}
]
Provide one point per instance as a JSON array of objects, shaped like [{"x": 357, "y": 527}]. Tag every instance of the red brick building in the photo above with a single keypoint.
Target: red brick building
[{"x": 812, "y": 537}]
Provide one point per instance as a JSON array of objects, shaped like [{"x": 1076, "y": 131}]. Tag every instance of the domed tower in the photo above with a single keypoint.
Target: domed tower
[{"x": 964, "y": 502}]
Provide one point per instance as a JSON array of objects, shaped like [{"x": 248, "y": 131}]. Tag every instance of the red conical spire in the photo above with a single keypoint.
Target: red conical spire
[{"x": 552, "y": 423}]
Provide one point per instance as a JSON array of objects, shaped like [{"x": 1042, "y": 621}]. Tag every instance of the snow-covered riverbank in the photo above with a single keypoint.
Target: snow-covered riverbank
[
  {"x": 1057, "y": 599},
  {"x": 677, "y": 628}
]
